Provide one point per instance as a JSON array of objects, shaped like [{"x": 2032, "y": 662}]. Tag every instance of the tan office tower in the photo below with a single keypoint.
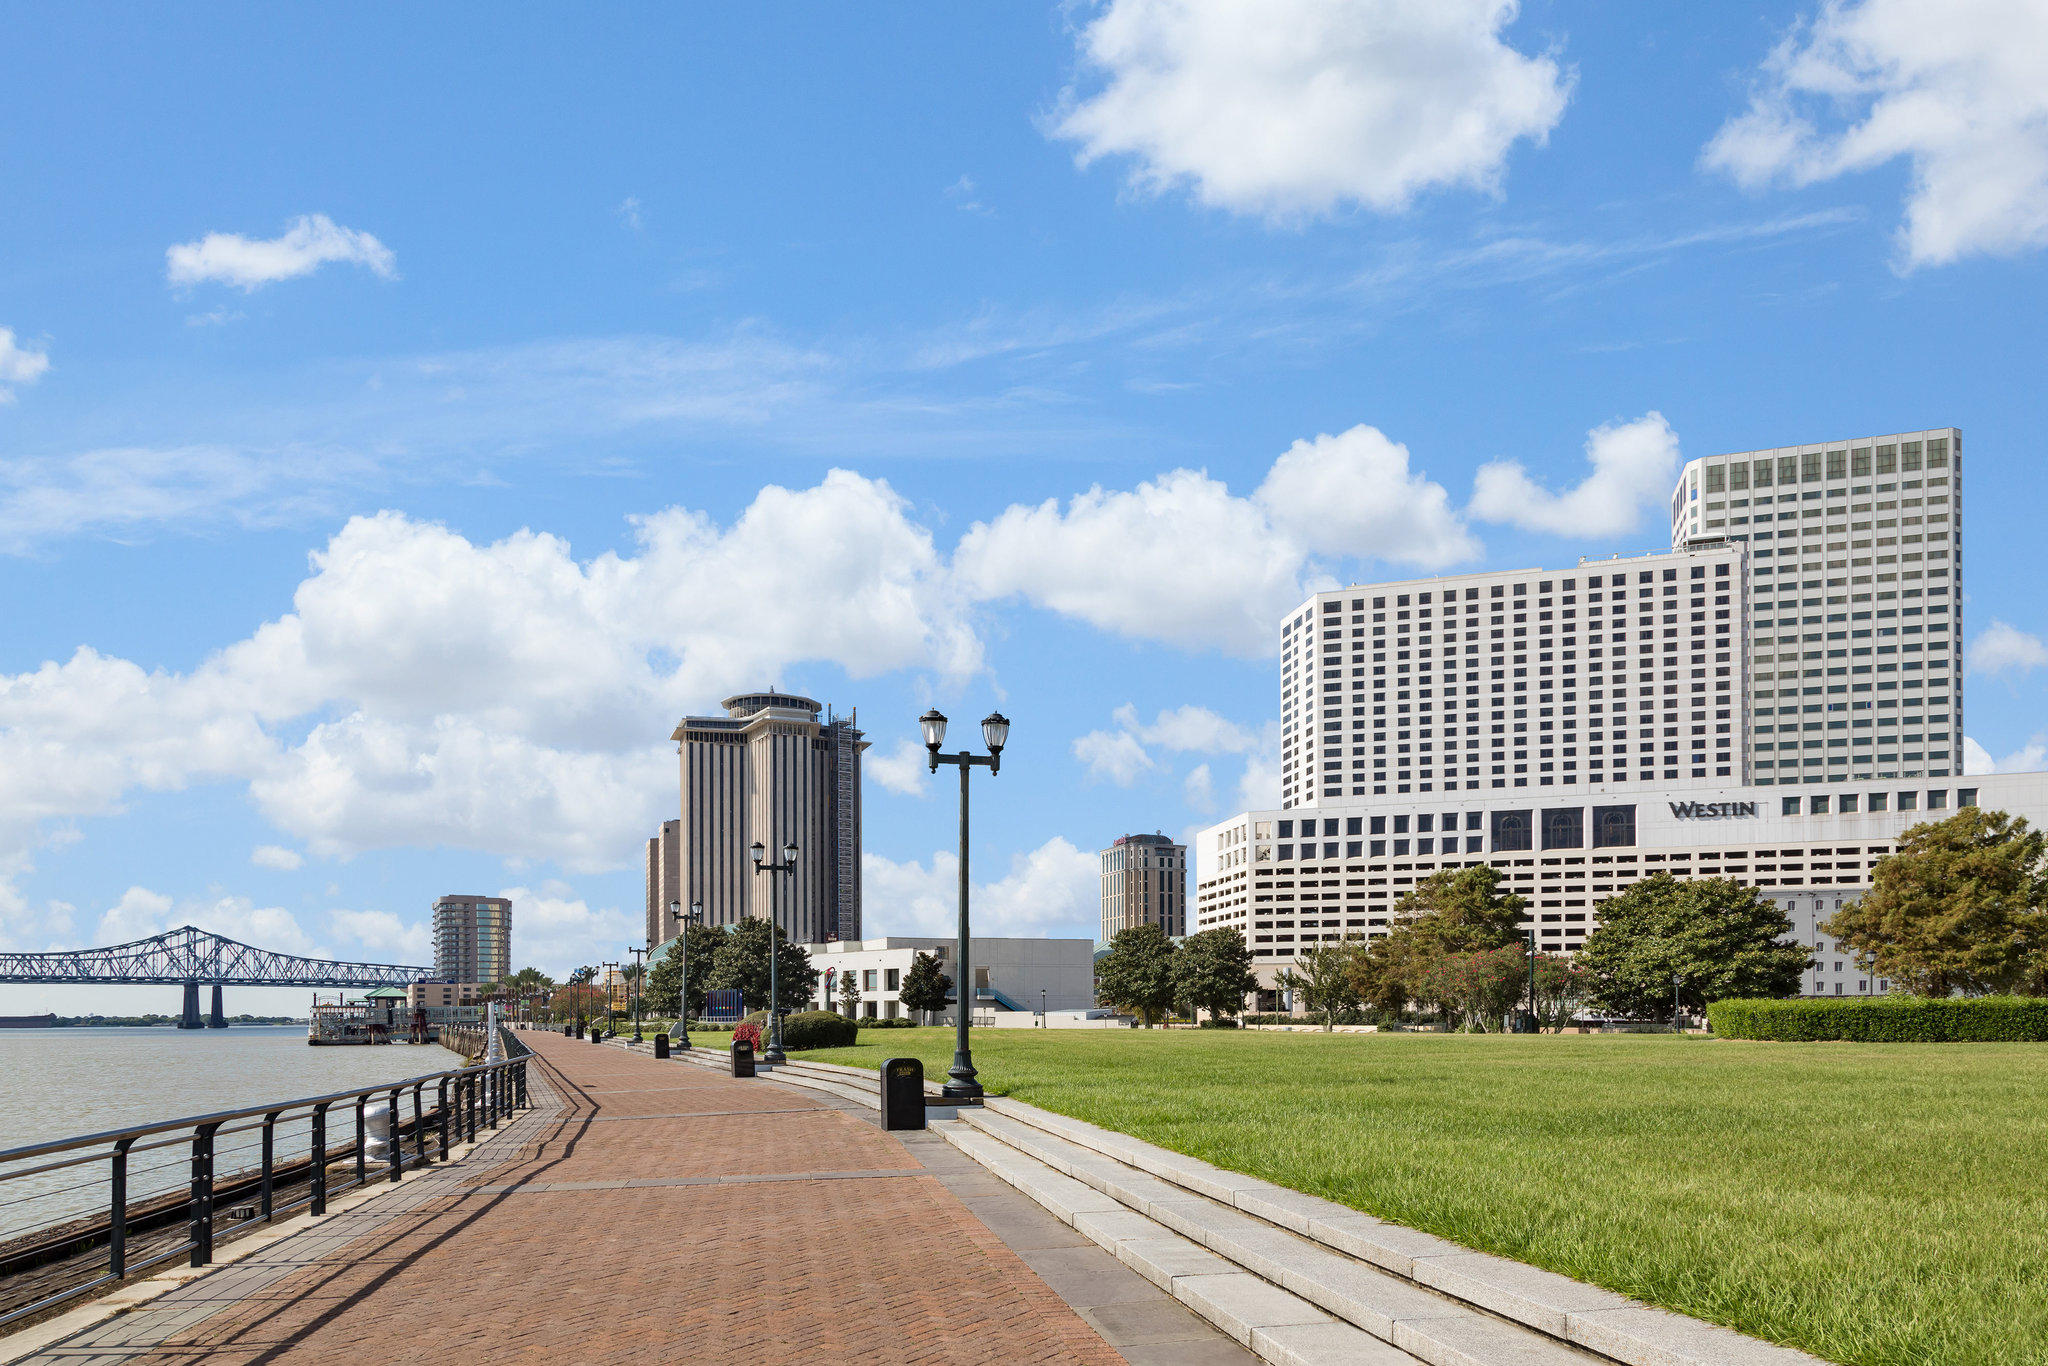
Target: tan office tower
[
  {"x": 771, "y": 770},
  {"x": 1856, "y": 564},
  {"x": 472, "y": 938},
  {"x": 1144, "y": 882},
  {"x": 664, "y": 883}
]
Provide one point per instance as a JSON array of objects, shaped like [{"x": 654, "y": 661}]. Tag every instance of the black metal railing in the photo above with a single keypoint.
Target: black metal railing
[{"x": 162, "y": 1178}]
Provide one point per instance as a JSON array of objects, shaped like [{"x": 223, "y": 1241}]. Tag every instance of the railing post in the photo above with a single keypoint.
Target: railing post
[
  {"x": 419, "y": 1125},
  {"x": 319, "y": 1158},
  {"x": 362, "y": 1156},
  {"x": 202, "y": 1194},
  {"x": 269, "y": 1158},
  {"x": 524, "y": 1103},
  {"x": 443, "y": 1091},
  {"x": 469, "y": 1107},
  {"x": 397, "y": 1140},
  {"x": 117, "y": 1210}
]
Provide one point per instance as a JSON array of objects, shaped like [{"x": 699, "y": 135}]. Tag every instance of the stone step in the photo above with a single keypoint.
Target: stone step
[
  {"x": 1370, "y": 1272},
  {"x": 1275, "y": 1324}
]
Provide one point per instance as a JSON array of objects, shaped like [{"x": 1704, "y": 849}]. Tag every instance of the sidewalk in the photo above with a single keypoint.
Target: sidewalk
[{"x": 655, "y": 1211}]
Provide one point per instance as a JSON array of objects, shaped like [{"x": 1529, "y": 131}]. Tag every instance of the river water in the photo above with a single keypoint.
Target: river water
[{"x": 55, "y": 1083}]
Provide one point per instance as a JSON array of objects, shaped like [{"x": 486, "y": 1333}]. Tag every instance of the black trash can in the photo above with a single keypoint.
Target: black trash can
[
  {"x": 742, "y": 1058},
  {"x": 903, "y": 1094},
  {"x": 661, "y": 1045},
  {"x": 568, "y": 1031}
]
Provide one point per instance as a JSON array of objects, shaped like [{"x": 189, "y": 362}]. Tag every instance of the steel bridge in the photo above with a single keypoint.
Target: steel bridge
[{"x": 189, "y": 956}]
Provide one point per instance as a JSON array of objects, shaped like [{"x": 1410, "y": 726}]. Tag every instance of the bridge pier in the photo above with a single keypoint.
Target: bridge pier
[
  {"x": 217, "y": 1019},
  {"x": 190, "y": 1019}
]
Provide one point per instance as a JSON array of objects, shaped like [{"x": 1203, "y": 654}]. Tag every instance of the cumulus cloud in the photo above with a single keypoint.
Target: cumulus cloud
[
  {"x": 247, "y": 263},
  {"x": 2028, "y": 758},
  {"x": 558, "y": 931},
  {"x": 1198, "y": 789},
  {"x": 1633, "y": 466},
  {"x": 2002, "y": 648},
  {"x": 382, "y": 933},
  {"x": 1258, "y": 789},
  {"x": 19, "y": 364},
  {"x": 1954, "y": 89},
  {"x": 1112, "y": 755},
  {"x": 1182, "y": 560},
  {"x": 904, "y": 770},
  {"x": 141, "y": 913},
  {"x": 1290, "y": 107},
  {"x": 277, "y": 858},
  {"x": 1124, "y": 753},
  {"x": 1054, "y": 890}
]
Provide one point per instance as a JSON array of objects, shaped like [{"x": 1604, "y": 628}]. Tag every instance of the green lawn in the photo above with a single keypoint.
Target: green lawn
[{"x": 1870, "y": 1203}]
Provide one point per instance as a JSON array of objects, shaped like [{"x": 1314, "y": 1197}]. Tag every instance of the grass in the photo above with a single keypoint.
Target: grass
[{"x": 1875, "y": 1204}]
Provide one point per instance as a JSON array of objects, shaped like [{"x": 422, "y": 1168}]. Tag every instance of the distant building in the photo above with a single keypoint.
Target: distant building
[
  {"x": 664, "y": 883},
  {"x": 771, "y": 771},
  {"x": 1144, "y": 882},
  {"x": 1012, "y": 977},
  {"x": 472, "y": 938},
  {"x": 441, "y": 995}
]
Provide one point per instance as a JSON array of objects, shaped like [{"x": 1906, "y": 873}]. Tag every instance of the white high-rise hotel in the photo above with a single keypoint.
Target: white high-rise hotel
[{"x": 1584, "y": 727}]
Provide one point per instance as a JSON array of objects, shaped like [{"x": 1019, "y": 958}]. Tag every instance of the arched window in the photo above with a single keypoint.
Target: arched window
[
  {"x": 1510, "y": 830},
  {"x": 1614, "y": 827}
]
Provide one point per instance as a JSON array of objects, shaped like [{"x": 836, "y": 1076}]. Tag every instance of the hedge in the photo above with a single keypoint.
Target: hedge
[
  {"x": 1886, "y": 1019},
  {"x": 817, "y": 1029}
]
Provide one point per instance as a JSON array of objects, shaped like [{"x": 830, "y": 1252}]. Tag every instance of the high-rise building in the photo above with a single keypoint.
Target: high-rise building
[
  {"x": 770, "y": 770},
  {"x": 1144, "y": 882},
  {"x": 472, "y": 938},
  {"x": 1617, "y": 669},
  {"x": 1855, "y": 553},
  {"x": 664, "y": 883}
]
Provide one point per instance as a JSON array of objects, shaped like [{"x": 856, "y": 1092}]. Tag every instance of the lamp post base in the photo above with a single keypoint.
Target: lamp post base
[{"x": 960, "y": 1083}]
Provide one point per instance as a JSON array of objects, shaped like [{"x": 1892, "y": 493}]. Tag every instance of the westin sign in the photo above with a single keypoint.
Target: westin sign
[{"x": 1711, "y": 810}]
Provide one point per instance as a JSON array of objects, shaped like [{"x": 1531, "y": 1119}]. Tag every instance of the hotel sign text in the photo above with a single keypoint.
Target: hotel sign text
[{"x": 1711, "y": 810}]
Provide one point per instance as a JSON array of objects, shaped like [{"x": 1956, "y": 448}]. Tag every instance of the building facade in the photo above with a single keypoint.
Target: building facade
[
  {"x": 773, "y": 769},
  {"x": 1619, "y": 670},
  {"x": 1010, "y": 975},
  {"x": 1856, "y": 559},
  {"x": 1144, "y": 882},
  {"x": 472, "y": 938},
  {"x": 665, "y": 883}
]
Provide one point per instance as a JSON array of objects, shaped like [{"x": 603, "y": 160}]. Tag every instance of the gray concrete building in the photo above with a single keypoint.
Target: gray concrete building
[
  {"x": 1855, "y": 563},
  {"x": 774, "y": 769},
  {"x": 472, "y": 938},
  {"x": 664, "y": 883},
  {"x": 1144, "y": 882}
]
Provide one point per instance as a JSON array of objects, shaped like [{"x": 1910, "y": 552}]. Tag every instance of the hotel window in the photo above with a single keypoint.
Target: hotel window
[
  {"x": 1880, "y": 800},
  {"x": 891, "y": 979},
  {"x": 1966, "y": 796},
  {"x": 1788, "y": 806},
  {"x": 1614, "y": 827},
  {"x": 1937, "y": 801},
  {"x": 1817, "y": 806},
  {"x": 1510, "y": 830},
  {"x": 1564, "y": 827}
]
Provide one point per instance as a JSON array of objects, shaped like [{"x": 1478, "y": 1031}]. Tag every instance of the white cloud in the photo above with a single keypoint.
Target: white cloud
[
  {"x": 1258, "y": 789},
  {"x": 1633, "y": 467},
  {"x": 19, "y": 364},
  {"x": 1112, "y": 755},
  {"x": 904, "y": 770},
  {"x": 1187, "y": 729},
  {"x": 141, "y": 913},
  {"x": 629, "y": 212},
  {"x": 277, "y": 858},
  {"x": 1353, "y": 495},
  {"x": 557, "y": 931},
  {"x": 1953, "y": 87},
  {"x": 964, "y": 195},
  {"x": 1054, "y": 890},
  {"x": 2004, "y": 648},
  {"x": 1198, "y": 789},
  {"x": 1127, "y": 561},
  {"x": 2031, "y": 757},
  {"x": 1286, "y": 107},
  {"x": 381, "y": 932},
  {"x": 307, "y": 243}
]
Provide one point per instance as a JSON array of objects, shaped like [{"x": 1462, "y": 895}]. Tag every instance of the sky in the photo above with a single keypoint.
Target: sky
[{"x": 405, "y": 420}]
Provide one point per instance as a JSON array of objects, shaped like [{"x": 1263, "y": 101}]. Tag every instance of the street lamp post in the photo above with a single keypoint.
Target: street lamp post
[
  {"x": 1534, "y": 1028},
  {"x": 639, "y": 956},
  {"x": 773, "y": 1053},
  {"x": 1675, "y": 979},
  {"x": 675, "y": 908},
  {"x": 995, "y": 731},
  {"x": 611, "y": 980}
]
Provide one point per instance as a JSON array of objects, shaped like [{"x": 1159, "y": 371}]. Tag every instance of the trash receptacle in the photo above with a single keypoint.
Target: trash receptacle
[
  {"x": 903, "y": 1094},
  {"x": 661, "y": 1045},
  {"x": 568, "y": 1030},
  {"x": 742, "y": 1058}
]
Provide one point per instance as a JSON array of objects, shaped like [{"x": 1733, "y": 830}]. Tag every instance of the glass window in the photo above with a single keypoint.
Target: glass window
[
  {"x": 1614, "y": 827},
  {"x": 1880, "y": 800},
  {"x": 1937, "y": 801},
  {"x": 1966, "y": 796},
  {"x": 1846, "y": 803},
  {"x": 1817, "y": 806},
  {"x": 1909, "y": 801},
  {"x": 1788, "y": 806},
  {"x": 1564, "y": 827},
  {"x": 1510, "y": 830}
]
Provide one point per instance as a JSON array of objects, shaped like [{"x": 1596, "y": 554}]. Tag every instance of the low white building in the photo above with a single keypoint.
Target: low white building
[{"x": 1010, "y": 975}]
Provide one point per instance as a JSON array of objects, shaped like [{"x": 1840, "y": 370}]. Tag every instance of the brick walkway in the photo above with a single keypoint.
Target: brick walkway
[{"x": 662, "y": 1212}]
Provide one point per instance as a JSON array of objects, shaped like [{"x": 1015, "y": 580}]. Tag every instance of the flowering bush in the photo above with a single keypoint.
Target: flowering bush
[{"x": 748, "y": 1033}]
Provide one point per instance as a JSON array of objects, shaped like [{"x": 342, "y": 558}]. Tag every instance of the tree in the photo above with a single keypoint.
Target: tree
[
  {"x": 1562, "y": 988},
  {"x": 1480, "y": 988},
  {"x": 1212, "y": 971},
  {"x": 924, "y": 988},
  {"x": 849, "y": 993},
  {"x": 1957, "y": 908},
  {"x": 664, "y": 979},
  {"x": 1459, "y": 910},
  {"x": 1323, "y": 982},
  {"x": 1136, "y": 975},
  {"x": 1717, "y": 937},
  {"x": 741, "y": 963}
]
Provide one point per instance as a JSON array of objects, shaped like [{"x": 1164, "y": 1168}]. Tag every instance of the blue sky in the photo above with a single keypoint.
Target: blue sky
[{"x": 408, "y": 419}]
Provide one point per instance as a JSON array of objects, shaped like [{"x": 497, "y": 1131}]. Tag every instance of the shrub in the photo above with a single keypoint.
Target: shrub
[
  {"x": 749, "y": 1033},
  {"x": 1886, "y": 1019},
  {"x": 1219, "y": 1024},
  {"x": 886, "y": 1024},
  {"x": 818, "y": 1029}
]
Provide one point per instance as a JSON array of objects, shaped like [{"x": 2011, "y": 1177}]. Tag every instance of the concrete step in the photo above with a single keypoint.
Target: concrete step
[
  {"x": 1272, "y": 1322},
  {"x": 1392, "y": 1281}
]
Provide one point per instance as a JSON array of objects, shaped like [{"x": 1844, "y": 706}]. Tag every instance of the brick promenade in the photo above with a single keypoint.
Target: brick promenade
[{"x": 662, "y": 1213}]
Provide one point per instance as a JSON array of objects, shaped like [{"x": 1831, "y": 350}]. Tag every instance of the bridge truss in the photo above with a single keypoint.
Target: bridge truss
[{"x": 189, "y": 955}]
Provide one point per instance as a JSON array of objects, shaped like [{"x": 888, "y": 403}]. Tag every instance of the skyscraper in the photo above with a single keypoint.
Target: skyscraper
[
  {"x": 1144, "y": 882},
  {"x": 664, "y": 883},
  {"x": 771, "y": 771},
  {"x": 472, "y": 938},
  {"x": 1855, "y": 553}
]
